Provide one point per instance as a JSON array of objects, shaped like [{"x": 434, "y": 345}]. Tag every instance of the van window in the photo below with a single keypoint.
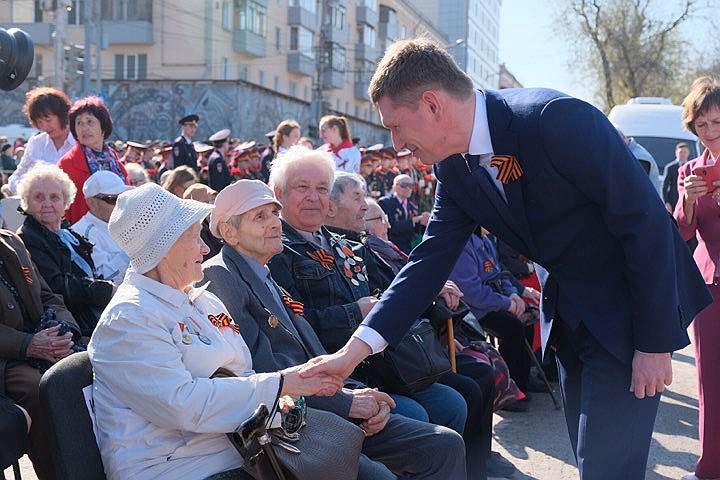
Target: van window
[{"x": 663, "y": 149}]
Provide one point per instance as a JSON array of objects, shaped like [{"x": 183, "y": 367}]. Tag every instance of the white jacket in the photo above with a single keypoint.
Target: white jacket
[
  {"x": 110, "y": 260},
  {"x": 158, "y": 414}
]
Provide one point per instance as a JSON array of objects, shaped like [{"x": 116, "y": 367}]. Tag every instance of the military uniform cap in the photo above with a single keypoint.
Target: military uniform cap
[
  {"x": 138, "y": 145},
  {"x": 193, "y": 117},
  {"x": 220, "y": 136}
]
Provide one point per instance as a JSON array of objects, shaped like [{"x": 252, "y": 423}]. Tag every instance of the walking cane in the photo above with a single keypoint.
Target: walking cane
[
  {"x": 254, "y": 429},
  {"x": 451, "y": 343}
]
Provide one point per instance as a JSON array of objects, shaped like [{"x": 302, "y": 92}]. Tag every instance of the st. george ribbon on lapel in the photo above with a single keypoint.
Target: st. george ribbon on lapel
[{"x": 509, "y": 168}]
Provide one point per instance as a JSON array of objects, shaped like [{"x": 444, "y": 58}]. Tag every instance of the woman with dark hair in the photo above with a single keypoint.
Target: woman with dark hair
[
  {"x": 286, "y": 135},
  {"x": 335, "y": 132},
  {"x": 90, "y": 125},
  {"x": 47, "y": 110}
]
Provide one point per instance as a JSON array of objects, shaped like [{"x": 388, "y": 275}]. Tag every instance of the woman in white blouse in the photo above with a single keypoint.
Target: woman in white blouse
[
  {"x": 335, "y": 132},
  {"x": 47, "y": 110},
  {"x": 159, "y": 413}
]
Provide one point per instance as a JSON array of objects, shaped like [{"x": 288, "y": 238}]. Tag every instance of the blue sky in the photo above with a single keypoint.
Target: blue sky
[{"x": 537, "y": 55}]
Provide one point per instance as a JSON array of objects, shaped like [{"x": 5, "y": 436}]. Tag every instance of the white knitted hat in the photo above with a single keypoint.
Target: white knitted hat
[{"x": 148, "y": 220}]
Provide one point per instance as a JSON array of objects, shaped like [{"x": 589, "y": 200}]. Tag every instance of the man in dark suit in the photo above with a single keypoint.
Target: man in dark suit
[
  {"x": 183, "y": 151},
  {"x": 549, "y": 175},
  {"x": 278, "y": 336},
  {"x": 219, "y": 175},
  {"x": 669, "y": 188},
  {"x": 403, "y": 213}
]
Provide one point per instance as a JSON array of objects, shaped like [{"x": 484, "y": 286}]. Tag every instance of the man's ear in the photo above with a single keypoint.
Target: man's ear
[
  {"x": 278, "y": 192},
  {"x": 227, "y": 233},
  {"x": 332, "y": 210},
  {"x": 432, "y": 101}
]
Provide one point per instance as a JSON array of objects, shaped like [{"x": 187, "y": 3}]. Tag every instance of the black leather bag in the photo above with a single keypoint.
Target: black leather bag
[{"x": 417, "y": 362}]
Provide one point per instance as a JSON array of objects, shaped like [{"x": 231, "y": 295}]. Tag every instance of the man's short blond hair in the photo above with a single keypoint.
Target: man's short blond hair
[
  {"x": 295, "y": 155},
  {"x": 410, "y": 67}
]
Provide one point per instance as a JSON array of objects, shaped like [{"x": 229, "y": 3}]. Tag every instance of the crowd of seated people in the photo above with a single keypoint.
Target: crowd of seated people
[{"x": 292, "y": 268}]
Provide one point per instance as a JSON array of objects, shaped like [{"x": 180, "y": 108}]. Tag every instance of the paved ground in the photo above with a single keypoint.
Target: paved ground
[{"x": 536, "y": 441}]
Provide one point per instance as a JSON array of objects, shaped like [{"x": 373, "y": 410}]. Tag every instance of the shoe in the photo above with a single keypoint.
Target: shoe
[
  {"x": 518, "y": 406},
  {"x": 499, "y": 466}
]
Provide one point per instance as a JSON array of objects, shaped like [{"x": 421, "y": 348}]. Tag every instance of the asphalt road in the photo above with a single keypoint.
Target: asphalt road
[{"x": 536, "y": 441}]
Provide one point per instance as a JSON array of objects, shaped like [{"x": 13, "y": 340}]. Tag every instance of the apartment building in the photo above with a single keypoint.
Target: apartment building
[{"x": 312, "y": 56}]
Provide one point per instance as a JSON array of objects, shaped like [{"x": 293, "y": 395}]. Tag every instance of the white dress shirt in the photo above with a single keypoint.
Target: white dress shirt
[
  {"x": 39, "y": 148},
  {"x": 480, "y": 144},
  {"x": 110, "y": 260},
  {"x": 158, "y": 413}
]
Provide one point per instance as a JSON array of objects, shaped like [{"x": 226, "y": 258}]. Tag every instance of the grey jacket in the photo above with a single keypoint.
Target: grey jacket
[{"x": 250, "y": 304}]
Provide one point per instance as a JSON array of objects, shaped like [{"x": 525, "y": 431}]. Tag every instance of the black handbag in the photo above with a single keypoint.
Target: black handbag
[{"x": 417, "y": 362}]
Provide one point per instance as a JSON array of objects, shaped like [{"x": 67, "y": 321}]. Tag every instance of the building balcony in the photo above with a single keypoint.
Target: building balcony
[
  {"x": 361, "y": 90},
  {"x": 301, "y": 64},
  {"x": 366, "y": 15},
  {"x": 366, "y": 53},
  {"x": 299, "y": 17},
  {"x": 334, "y": 34},
  {"x": 40, "y": 32},
  {"x": 248, "y": 43},
  {"x": 131, "y": 32},
  {"x": 333, "y": 79}
]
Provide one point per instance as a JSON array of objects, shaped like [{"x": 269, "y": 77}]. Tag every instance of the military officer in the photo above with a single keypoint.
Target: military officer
[
  {"x": 183, "y": 151},
  {"x": 218, "y": 171}
]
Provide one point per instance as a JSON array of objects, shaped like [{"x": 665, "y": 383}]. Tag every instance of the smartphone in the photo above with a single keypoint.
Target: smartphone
[{"x": 709, "y": 174}]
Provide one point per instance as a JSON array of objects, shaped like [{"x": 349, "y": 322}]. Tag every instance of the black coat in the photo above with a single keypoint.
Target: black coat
[
  {"x": 670, "y": 188},
  {"x": 84, "y": 297},
  {"x": 218, "y": 172},
  {"x": 184, "y": 153}
]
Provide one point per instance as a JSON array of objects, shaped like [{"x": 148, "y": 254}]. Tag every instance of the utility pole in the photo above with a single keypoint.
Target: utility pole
[
  {"x": 89, "y": 40},
  {"x": 316, "y": 108},
  {"x": 97, "y": 13},
  {"x": 59, "y": 44}
]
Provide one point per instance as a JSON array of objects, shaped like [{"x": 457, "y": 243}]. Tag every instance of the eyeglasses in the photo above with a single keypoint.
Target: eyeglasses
[
  {"x": 405, "y": 184},
  {"x": 111, "y": 199},
  {"x": 374, "y": 218}
]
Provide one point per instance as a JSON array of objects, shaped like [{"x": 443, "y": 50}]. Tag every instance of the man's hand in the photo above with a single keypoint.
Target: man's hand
[
  {"x": 363, "y": 404},
  {"x": 451, "y": 294},
  {"x": 366, "y": 304},
  {"x": 376, "y": 423},
  {"x": 48, "y": 346},
  {"x": 517, "y": 305},
  {"x": 651, "y": 372},
  {"x": 339, "y": 364},
  {"x": 295, "y": 385}
]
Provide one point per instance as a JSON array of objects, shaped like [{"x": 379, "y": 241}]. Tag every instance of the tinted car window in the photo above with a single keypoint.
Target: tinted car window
[{"x": 663, "y": 149}]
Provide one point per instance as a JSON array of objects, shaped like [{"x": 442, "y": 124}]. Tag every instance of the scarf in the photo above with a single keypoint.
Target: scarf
[
  {"x": 70, "y": 242},
  {"x": 105, "y": 160}
]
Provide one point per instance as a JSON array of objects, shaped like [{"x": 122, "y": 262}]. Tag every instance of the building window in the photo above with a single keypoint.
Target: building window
[
  {"x": 308, "y": 5},
  {"x": 252, "y": 17},
  {"x": 403, "y": 32},
  {"x": 335, "y": 15},
  {"x": 388, "y": 17},
  {"x": 37, "y": 71},
  {"x": 337, "y": 104},
  {"x": 243, "y": 72},
  {"x": 38, "y": 11},
  {"x": 277, "y": 38},
  {"x": 276, "y": 83},
  {"x": 225, "y": 68},
  {"x": 305, "y": 93},
  {"x": 131, "y": 67},
  {"x": 227, "y": 15},
  {"x": 261, "y": 77},
  {"x": 337, "y": 57},
  {"x": 366, "y": 35},
  {"x": 371, "y": 4},
  {"x": 301, "y": 40},
  {"x": 76, "y": 12},
  {"x": 127, "y": 10},
  {"x": 292, "y": 88}
]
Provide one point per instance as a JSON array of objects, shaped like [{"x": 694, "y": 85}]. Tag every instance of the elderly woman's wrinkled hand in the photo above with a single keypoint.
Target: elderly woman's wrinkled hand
[
  {"x": 320, "y": 384},
  {"x": 47, "y": 345}
]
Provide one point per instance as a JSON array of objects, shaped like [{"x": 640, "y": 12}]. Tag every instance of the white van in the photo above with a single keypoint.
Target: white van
[{"x": 656, "y": 124}]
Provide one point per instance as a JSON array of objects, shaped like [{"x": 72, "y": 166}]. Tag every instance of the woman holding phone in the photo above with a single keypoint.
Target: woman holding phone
[{"x": 698, "y": 214}]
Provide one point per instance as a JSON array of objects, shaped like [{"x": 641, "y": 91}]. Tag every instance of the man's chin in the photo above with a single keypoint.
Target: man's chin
[{"x": 428, "y": 159}]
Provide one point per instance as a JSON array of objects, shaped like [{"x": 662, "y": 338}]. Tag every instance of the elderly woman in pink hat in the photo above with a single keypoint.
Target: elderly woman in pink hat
[{"x": 161, "y": 412}]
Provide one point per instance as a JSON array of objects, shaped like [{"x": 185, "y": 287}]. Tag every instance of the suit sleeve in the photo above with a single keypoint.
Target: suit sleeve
[
  {"x": 587, "y": 151},
  {"x": 429, "y": 266}
]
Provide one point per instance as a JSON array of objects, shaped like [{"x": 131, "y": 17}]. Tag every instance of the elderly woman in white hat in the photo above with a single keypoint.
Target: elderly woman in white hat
[{"x": 159, "y": 413}]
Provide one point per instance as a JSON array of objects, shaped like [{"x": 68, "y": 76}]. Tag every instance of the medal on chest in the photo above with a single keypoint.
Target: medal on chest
[{"x": 353, "y": 266}]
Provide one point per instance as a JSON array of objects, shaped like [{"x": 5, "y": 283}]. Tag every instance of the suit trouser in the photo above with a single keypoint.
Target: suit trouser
[
  {"x": 413, "y": 449},
  {"x": 511, "y": 332},
  {"x": 610, "y": 430},
  {"x": 21, "y": 384}
]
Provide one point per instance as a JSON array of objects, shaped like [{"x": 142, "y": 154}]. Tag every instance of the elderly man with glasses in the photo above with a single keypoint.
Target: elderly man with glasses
[
  {"x": 101, "y": 191},
  {"x": 405, "y": 220}
]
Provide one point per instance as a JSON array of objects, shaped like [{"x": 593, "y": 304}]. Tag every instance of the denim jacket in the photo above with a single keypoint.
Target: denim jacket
[{"x": 328, "y": 283}]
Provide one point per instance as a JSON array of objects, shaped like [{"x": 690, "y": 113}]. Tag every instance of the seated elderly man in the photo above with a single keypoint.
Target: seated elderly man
[
  {"x": 162, "y": 411},
  {"x": 475, "y": 381},
  {"x": 101, "y": 190},
  {"x": 329, "y": 273},
  {"x": 24, "y": 297},
  {"x": 246, "y": 217}
]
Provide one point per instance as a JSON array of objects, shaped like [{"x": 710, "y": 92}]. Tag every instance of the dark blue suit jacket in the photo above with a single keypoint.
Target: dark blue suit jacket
[{"x": 584, "y": 209}]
